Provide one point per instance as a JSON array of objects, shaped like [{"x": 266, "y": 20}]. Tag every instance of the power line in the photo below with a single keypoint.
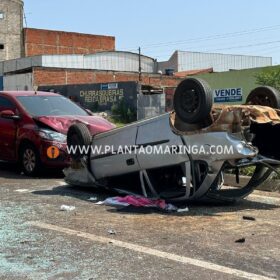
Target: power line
[
  {"x": 213, "y": 37},
  {"x": 24, "y": 17},
  {"x": 228, "y": 48},
  {"x": 246, "y": 46}
]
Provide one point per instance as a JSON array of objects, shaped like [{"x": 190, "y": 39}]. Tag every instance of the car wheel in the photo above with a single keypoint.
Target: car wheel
[
  {"x": 78, "y": 136},
  {"x": 265, "y": 96},
  {"x": 29, "y": 160},
  {"x": 193, "y": 100}
]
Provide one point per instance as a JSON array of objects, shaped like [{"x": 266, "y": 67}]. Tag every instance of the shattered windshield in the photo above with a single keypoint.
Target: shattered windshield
[{"x": 50, "y": 106}]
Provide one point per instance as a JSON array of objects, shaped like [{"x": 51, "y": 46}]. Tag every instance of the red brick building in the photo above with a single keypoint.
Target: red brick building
[
  {"x": 63, "y": 58},
  {"x": 40, "y": 42},
  {"x": 53, "y": 76},
  {"x": 70, "y": 61}
]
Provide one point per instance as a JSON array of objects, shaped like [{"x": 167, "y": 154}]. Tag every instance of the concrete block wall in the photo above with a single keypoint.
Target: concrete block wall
[
  {"x": 39, "y": 42},
  {"x": 11, "y": 23}
]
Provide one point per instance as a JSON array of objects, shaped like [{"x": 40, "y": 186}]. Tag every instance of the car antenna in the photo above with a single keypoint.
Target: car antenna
[{"x": 35, "y": 89}]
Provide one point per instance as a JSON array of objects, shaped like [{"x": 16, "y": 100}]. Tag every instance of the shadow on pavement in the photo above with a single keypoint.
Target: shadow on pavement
[
  {"x": 82, "y": 193},
  {"x": 12, "y": 171},
  {"x": 197, "y": 208}
]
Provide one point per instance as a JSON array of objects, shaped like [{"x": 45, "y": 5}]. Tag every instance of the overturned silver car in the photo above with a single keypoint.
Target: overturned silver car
[{"x": 182, "y": 155}]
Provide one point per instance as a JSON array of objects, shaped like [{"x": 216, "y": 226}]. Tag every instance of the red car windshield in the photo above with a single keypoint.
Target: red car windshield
[{"x": 50, "y": 106}]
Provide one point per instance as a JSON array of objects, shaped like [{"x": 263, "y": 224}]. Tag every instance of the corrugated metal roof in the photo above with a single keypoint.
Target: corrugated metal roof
[
  {"x": 114, "y": 61},
  {"x": 185, "y": 61}
]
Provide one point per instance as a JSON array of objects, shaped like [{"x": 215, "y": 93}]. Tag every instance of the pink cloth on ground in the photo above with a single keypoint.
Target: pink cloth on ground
[{"x": 143, "y": 201}]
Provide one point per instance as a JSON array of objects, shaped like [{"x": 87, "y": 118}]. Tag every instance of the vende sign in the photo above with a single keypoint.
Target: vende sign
[{"x": 228, "y": 95}]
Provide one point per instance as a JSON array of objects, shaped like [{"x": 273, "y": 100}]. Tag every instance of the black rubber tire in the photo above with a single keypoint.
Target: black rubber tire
[
  {"x": 31, "y": 171},
  {"x": 193, "y": 100},
  {"x": 265, "y": 96},
  {"x": 78, "y": 135}
]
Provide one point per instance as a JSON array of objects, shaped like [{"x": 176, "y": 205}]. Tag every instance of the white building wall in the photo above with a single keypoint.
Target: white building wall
[
  {"x": 63, "y": 61},
  {"x": 219, "y": 62},
  {"x": 185, "y": 61},
  {"x": 20, "y": 64},
  {"x": 119, "y": 61},
  {"x": 18, "y": 82},
  {"x": 114, "y": 61},
  {"x": 172, "y": 63}
]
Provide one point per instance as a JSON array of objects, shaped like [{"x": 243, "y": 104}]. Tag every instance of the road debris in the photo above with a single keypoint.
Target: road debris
[
  {"x": 112, "y": 231},
  {"x": 23, "y": 190},
  {"x": 99, "y": 203},
  {"x": 67, "y": 208},
  {"x": 241, "y": 240},
  {"x": 26, "y": 241},
  {"x": 183, "y": 210},
  {"x": 249, "y": 218},
  {"x": 93, "y": 198}
]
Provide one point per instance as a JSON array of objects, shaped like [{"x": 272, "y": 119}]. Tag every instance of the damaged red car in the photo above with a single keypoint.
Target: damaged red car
[{"x": 33, "y": 127}]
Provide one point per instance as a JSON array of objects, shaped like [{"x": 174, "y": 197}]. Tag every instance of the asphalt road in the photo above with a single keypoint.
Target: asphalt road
[{"x": 38, "y": 241}]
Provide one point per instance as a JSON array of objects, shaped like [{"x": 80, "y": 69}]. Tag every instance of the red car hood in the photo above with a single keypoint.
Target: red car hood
[{"x": 61, "y": 124}]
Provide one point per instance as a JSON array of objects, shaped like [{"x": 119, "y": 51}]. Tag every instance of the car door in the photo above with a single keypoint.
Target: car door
[
  {"x": 8, "y": 131},
  {"x": 114, "y": 163},
  {"x": 155, "y": 140}
]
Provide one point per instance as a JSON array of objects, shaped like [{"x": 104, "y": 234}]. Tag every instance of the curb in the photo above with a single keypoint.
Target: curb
[{"x": 270, "y": 185}]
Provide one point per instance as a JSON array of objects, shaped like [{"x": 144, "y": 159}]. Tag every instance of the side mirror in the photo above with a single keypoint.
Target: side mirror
[{"x": 9, "y": 114}]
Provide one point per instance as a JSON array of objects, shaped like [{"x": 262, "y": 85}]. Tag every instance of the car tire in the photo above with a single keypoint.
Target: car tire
[
  {"x": 193, "y": 100},
  {"x": 30, "y": 160},
  {"x": 78, "y": 135},
  {"x": 265, "y": 96}
]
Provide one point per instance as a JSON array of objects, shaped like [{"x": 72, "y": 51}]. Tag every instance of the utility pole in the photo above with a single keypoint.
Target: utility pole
[
  {"x": 140, "y": 68},
  {"x": 25, "y": 19}
]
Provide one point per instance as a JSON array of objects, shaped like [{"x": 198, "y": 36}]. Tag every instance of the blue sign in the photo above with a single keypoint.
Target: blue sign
[
  {"x": 228, "y": 95},
  {"x": 109, "y": 86}
]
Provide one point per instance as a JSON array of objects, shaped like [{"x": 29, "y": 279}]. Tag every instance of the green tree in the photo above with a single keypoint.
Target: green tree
[
  {"x": 269, "y": 78},
  {"x": 123, "y": 112}
]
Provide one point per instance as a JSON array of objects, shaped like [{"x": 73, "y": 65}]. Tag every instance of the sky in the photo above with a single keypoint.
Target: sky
[{"x": 159, "y": 27}]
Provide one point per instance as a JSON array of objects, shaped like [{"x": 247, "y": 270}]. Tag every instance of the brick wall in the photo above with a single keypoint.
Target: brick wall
[
  {"x": 39, "y": 42},
  {"x": 47, "y": 76}
]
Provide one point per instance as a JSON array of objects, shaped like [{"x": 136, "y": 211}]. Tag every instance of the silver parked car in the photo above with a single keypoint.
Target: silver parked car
[{"x": 181, "y": 155}]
